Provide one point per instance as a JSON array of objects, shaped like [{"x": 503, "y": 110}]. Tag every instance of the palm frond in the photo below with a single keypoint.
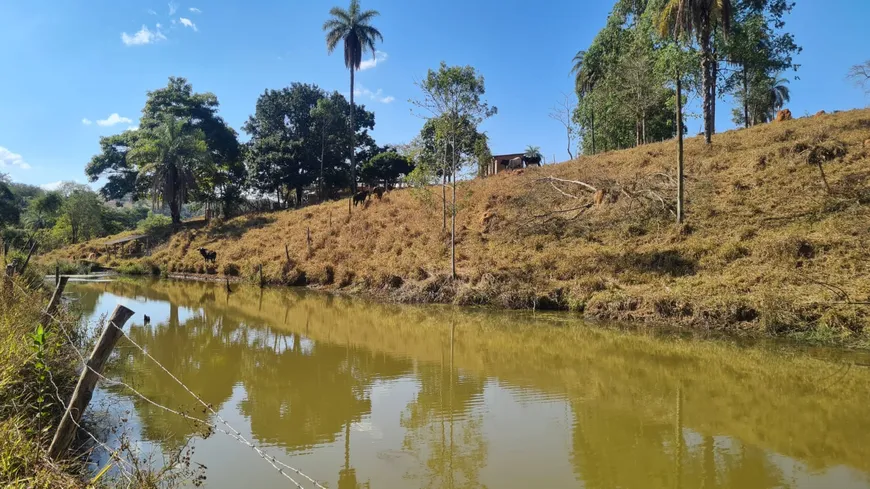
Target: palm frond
[{"x": 365, "y": 17}]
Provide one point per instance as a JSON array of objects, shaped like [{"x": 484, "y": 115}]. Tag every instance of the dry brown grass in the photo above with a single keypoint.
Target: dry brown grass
[{"x": 776, "y": 237}]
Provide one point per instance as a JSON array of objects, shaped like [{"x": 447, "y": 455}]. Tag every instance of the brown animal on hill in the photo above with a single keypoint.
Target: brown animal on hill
[
  {"x": 599, "y": 197},
  {"x": 360, "y": 197},
  {"x": 379, "y": 192},
  {"x": 783, "y": 115},
  {"x": 821, "y": 112},
  {"x": 210, "y": 256}
]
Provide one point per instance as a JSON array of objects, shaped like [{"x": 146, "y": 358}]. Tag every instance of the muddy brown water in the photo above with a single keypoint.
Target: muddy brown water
[{"x": 358, "y": 394}]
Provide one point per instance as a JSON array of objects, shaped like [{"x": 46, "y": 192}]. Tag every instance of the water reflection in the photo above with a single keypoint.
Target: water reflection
[{"x": 371, "y": 395}]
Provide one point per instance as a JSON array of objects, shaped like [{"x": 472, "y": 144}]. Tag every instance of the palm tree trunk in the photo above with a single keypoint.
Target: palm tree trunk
[
  {"x": 679, "y": 149},
  {"x": 172, "y": 195},
  {"x": 352, "y": 139},
  {"x": 707, "y": 73}
]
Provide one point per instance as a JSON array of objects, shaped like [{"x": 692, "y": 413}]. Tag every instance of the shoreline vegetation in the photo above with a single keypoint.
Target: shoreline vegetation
[{"x": 774, "y": 242}]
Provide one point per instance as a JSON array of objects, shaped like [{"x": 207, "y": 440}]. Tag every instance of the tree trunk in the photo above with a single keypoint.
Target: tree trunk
[
  {"x": 175, "y": 212},
  {"x": 714, "y": 80},
  {"x": 707, "y": 72},
  {"x": 593, "y": 131},
  {"x": 745, "y": 96},
  {"x": 444, "y": 189},
  {"x": 570, "y": 155},
  {"x": 352, "y": 139},
  {"x": 322, "y": 157},
  {"x": 679, "y": 149},
  {"x": 453, "y": 213},
  {"x": 172, "y": 195}
]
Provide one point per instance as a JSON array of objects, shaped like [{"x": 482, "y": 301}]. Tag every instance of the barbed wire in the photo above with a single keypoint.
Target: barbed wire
[
  {"x": 113, "y": 454},
  {"x": 271, "y": 459}
]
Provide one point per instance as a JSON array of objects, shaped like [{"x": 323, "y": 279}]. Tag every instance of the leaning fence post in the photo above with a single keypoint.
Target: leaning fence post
[
  {"x": 33, "y": 248},
  {"x": 87, "y": 382},
  {"x": 55, "y": 300}
]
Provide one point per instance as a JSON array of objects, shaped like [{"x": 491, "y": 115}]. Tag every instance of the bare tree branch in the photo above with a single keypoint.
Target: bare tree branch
[{"x": 563, "y": 112}]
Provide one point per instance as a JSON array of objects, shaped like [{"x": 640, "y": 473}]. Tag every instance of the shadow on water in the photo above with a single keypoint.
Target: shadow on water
[{"x": 400, "y": 396}]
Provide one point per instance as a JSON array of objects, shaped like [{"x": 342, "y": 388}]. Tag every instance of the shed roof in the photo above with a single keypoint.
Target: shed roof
[{"x": 126, "y": 239}]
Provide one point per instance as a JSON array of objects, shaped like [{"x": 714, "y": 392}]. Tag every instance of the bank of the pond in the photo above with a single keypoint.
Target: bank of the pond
[
  {"x": 32, "y": 365},
  {"x": 775, "y": 240}
]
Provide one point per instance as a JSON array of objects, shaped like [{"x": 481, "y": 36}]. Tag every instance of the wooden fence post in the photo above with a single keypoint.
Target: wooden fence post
[
  {"x": 308, "y": 239},
  {"x": 55, "y": 300},
  {"x": 287, "y": 252},
  {"x": 56, "y": 275},
  {"x": 33, "y": 249},
  {"x": 66, "y": 431},
  {"x": 261, "y": 275}
]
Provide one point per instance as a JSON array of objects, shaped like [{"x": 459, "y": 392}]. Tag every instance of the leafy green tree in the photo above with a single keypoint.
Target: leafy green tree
[
  {"x": 218, "y": 183},
  {"x": 453, "y": 96},
  {"x": 386, "y": 168},
  {"x": 80, "y": 215},
  {"x": 759, "y": 49},
  {"x": 9, "y": 211},
  {"x": 169, "y": 158},
  {"x": 700, "y": 17},
  {"x": 623, "y": 100},
  {"x": 483, "y": 154},
  {"x": 353, "y": 28},
  {"x": 767, "y": 96}
]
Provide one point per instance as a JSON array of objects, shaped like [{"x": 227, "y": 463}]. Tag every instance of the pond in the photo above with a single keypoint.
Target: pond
[{"x": 361, "y": 394}]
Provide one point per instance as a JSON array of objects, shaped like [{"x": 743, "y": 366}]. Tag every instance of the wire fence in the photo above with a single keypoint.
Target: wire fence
[{"x": 283, "y": 468}]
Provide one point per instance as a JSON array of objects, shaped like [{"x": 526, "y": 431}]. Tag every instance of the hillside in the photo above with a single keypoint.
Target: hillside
[{"x": 770, "y": 243}]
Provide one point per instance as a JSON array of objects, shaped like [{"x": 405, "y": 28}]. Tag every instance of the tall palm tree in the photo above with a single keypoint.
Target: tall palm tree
[
  {"x": 353, "y": 27},
  {"x": 699, "y": 17},
  {"x": 533, "y": 155},
  {"x": 584, "y": 82},
  {"x": 779, "y": 93},
  {"x": 169, "y": 158}
]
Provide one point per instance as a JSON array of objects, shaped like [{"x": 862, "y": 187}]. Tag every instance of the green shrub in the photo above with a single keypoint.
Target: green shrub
[{"x": 155, "y": 225}]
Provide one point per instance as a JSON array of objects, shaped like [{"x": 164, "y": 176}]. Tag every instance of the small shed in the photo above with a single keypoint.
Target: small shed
[
  {"x": 504, "y": 162},
  {"x": 113, "y": 245}
]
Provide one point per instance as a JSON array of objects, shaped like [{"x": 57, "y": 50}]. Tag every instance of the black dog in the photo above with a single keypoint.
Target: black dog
[
  {"x": 208, "y": 254},
  {"x": 379, "y": 192}
]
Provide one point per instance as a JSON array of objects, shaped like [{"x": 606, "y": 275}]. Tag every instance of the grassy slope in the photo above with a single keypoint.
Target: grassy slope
[{"x": 765, "y": 247}]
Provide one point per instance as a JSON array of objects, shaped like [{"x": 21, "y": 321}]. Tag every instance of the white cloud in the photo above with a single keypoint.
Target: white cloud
[
  {"x": 376, "y": 96},
  {"x": 195, "y": 10},
  {"x": 133, "y": 128},
  {"x": 172, "y": 8},
  {"x": 51, "y": 187},
  {"x": 114, "y": 119},
  {"x": 152, "y": 12},
  {"x": 144, "y": 36},
  {"x": 87, "y": 121},
  {"x": 187, "y": 23},
  {"x": 8, "y": 158},
  {"x": 380, "y": 57}
]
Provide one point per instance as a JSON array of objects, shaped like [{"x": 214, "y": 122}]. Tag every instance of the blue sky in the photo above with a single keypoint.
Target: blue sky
[{"x": 68, "y": 63}]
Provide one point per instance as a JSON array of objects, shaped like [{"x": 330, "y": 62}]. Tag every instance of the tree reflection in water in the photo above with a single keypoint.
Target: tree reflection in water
[{"x": 646, "y": 413}]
